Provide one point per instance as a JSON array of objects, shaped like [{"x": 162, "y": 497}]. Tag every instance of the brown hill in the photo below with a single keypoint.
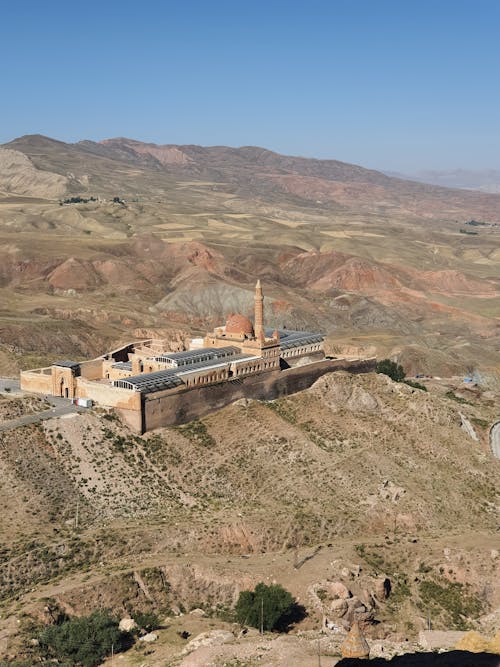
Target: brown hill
[
  {"x": 249, "y": 171},
  {"x": 324, "y": 271},
  {"x": 381, "y": 263},
  {"x": 19, "y": 175},
  {"x": 351, "y": 481}
]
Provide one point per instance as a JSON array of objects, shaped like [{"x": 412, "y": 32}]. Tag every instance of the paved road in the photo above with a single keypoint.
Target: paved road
[
  {"x": 39, "y": 416},
  {"x": 60, "y": 407},
  {"x": 495, "y": 440},
  {"x": 11, "y": 384}
]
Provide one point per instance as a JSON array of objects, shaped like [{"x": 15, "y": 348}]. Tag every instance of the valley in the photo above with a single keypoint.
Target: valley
[
  {"x": 329, "y": 492},
  {"x": 193, "y": 228}
]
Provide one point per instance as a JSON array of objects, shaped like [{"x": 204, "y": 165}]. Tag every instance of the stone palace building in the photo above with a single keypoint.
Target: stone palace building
[{"x": 152, "y": 387}]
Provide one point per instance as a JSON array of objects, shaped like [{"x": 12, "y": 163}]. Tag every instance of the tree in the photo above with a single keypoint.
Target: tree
[
  {"x": 273, "y": 607},
  {"x": 392, "y": 369},
  {"x": 84, "y": 641},
  {"x": 146, "y": 620}
]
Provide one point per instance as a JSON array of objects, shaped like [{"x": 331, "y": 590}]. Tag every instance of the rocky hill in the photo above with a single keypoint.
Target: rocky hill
[
  {"x": 248, "y": 171},
  {"x": 352, "y": 482},
  {"x": 100, "y": 240}
]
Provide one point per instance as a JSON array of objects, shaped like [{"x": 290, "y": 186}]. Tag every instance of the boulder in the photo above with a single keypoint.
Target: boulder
[
  {"x": 127, "y": 625},
  {"x": 338, "y": 590},
  {"x": 358, "y": 613},
  {"x": 361, "y": 401},
  {"x": 355, "y": 603},
  {"x": 390, "y": 491},
  {"x": 150, "y": 637},
  {"x": 197, "y": 612},
  {"x": 338, "y": 608},
  {"x": 210, "y": 638}
]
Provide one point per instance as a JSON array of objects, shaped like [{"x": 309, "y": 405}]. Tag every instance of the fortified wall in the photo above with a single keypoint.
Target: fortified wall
[
  {"x": 173, "y": 408},
  {"x": 152, "y": 387}
]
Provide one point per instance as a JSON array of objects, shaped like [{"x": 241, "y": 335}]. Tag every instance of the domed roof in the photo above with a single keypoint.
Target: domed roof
[{"x": 239, "y": 324}]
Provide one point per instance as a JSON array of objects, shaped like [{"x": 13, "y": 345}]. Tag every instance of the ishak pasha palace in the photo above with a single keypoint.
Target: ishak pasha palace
[{"x": 150, "y": 386}]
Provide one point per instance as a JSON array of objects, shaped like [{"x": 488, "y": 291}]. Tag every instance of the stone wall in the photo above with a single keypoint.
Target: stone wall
[
  {"x": 92, "y": 370},
  {"x": 105, "y": 394},
  {"x": 178, "y": 407},
  {"x": 39, "y": 381}
]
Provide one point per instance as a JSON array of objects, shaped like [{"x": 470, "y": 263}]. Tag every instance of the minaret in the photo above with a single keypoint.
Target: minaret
[{"x": 259, "y": 313}]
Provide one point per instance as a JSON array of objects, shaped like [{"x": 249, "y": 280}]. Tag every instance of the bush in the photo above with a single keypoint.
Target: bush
[
  {"x": 392, "y": 369},
  {"x": 146, "y": 620},
  {"x": 273, "y": 606},
  {"x": 84, "y": 641},
  {"x": 454, "y": 598},
  {"x": 77, "y": 200},
  {"x": 415, "y": 385}
]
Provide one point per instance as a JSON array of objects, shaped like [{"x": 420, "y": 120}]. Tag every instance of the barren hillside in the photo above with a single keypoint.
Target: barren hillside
[
  {"x": 169, "y": 238},
  {"x": 356, "y": 471}
]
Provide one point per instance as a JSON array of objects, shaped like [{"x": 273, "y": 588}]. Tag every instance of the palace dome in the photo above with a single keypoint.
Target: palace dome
[{"x": 239, "y": 324}]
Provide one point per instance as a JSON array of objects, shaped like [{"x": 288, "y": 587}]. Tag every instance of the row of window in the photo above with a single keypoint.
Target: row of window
[
  {"x": 295, "y": 351},
  {"x": 205, "y": 379}
]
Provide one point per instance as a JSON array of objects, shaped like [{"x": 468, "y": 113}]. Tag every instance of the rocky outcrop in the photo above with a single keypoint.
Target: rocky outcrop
[
  {"x": 19, "y": 175},
  {"x": 210, "y": 638},
  {"x": 339, "y": 391},
  {"x": 127, "y": 625},
  {"x": 355, "y": 645}
]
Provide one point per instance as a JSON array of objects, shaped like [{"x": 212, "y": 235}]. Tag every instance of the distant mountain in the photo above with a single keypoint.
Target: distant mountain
[
  {"x": 484, "y": 180},
  {"x": 134, "y": 169},
  {"x": 106, "y": 238}
]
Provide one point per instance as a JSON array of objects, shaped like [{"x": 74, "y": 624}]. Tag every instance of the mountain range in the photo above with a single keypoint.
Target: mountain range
[
  {"x": 365, "y": 498},
  {"x": 484, "y": 180},
  {"x": 105, "y": 240}
]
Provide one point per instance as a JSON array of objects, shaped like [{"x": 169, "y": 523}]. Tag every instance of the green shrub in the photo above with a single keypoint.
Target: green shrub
[
  {"x": 415, "y": 385},
  {"x": 84, "y": 641},
  {"x": 197, "y": 432},
  {"x": 146, "y": 620},
  {"x": 458, "y": 399},
  {"x": 392, "y": 369},
  {"x": 453, "y": 598},
  {"x": 272, "y": 606}
]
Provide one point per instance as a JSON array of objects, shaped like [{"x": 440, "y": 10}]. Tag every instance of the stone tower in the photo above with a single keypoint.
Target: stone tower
[{"x": 259, "y": 313}]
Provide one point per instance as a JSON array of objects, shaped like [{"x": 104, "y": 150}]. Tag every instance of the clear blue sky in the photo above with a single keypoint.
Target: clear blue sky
[{"x": 390, "y": 84}]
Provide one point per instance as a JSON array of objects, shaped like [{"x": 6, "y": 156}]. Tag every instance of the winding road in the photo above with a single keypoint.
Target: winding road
[{"x": 495, "y": 440}]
